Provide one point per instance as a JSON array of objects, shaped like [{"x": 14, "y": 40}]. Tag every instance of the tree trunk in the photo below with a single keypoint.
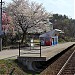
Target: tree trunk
[{"x": 23, "y": 37}]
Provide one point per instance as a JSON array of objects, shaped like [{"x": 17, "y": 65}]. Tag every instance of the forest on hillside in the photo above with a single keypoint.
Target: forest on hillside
[{"x": 67, "y": 25}]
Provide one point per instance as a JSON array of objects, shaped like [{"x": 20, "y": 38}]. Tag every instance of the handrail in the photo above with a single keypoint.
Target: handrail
[{"x": 30, "y": 48}]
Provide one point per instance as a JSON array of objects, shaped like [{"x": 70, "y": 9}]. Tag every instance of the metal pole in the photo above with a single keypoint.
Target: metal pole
[
  {"x": 1, "y": 25},
  {"x": 40, "y": 49},
  {"x": 19, "y": 49},
  {"x": 1, "y": 15}
]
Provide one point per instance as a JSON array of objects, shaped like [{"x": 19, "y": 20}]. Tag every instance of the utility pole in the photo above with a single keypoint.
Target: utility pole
[{"x": 1, "y": 33}]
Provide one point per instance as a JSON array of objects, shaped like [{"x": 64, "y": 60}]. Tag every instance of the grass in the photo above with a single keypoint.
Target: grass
[
  {"x": 9, "y": 65},
  {"x": 60, "y": 40}
]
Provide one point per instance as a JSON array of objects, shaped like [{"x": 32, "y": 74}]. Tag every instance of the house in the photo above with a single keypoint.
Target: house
[{"x": 50, "y": 38}]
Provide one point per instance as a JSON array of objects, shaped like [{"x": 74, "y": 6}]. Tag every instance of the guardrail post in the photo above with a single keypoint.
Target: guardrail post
[
  {"x": 30, "y": 45},
  {"x": 19, "y": 49},
  {"x": 40, "y": 49}
]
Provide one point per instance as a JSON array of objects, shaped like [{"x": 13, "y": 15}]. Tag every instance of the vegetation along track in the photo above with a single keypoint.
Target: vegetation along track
[{"x": 54, "y": 65}]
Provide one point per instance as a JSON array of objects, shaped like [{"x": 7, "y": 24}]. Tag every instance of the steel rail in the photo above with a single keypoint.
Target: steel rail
[{"x": 65, "y": 63}]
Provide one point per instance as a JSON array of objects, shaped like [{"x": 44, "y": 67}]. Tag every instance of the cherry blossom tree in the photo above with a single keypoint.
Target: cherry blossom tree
[
  {"x": 6, "y": 23},
  {"x": 28, "y": 16}
]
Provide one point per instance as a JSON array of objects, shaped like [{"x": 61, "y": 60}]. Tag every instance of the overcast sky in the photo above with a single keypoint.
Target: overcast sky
[{"x": 58, "y": 6}]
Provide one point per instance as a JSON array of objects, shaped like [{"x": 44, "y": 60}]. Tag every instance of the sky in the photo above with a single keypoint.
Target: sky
[{"x": 63, "y": 7}]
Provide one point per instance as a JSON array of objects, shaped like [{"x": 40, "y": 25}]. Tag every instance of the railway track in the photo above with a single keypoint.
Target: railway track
[
  {"x": 69, "y": 67},
  {"x": 63, "y": 64}
]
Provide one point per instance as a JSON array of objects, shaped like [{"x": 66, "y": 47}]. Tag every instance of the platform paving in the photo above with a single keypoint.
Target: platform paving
[
  {"x": 47, "y": 51},
  {"x": 9, "y": 54}
]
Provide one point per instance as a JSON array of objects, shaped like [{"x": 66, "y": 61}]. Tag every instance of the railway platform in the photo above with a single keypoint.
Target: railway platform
[{"x": 47, "y": 52}]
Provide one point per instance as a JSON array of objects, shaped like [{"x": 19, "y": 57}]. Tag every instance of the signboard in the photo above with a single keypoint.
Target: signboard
[{"x": 31, "y": 44}]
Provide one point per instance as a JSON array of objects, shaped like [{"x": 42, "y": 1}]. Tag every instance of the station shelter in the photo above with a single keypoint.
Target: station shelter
[{"x": 50, "y": 38}]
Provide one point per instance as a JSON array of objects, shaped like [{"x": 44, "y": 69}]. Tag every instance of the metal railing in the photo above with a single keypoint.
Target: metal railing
[{"x": 31, "y": 48}]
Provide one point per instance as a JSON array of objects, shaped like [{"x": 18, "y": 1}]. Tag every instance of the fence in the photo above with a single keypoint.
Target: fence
[{"x": 32, "y": 46}]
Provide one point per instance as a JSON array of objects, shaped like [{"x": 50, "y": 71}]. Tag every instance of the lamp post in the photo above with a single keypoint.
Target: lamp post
[{"x": 0, "y": 25}]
